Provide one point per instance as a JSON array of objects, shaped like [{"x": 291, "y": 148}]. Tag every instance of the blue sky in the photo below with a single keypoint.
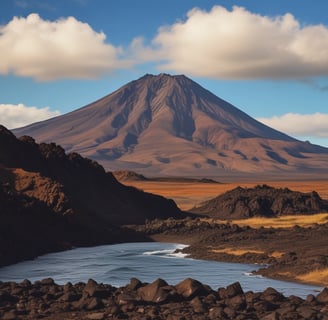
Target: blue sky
[{"x": 268, "y": 58}]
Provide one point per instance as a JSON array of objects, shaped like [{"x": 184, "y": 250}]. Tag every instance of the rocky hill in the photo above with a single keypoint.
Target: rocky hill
[
  {"x": 170, "y": 126},
  {"x": 125, "y": 175},
  {"x": 264, "y": 201},
  {"x": 50, "y": 200}
]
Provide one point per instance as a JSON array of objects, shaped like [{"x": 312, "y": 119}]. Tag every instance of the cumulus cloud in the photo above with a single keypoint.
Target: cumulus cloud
[
  {"x": 14, "y": 116},
  {"x": 239, "y": 44},
  {"x": 46, "y": 50},
  {"x": 219, "y": 43},
  {"x": 300, "y": 125}
]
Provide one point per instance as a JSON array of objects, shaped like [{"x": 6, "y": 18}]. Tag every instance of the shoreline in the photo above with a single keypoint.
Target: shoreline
[
  {"x": 208, "y": 255},
  {"x": 160, "y": 238},
  {"x": 289, "y": 254},
  {"x": 173, "y": 239}
]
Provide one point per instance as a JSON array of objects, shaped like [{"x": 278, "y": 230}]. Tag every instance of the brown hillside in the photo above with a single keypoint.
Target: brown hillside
[{"x": 56, "y": 200}]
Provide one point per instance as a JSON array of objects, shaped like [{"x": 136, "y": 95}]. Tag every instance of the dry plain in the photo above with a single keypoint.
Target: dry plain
[{"x": 189, "y": 194}]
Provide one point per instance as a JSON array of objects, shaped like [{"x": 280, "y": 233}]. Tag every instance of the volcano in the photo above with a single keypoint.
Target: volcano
[{"x": 169, "y": 125}]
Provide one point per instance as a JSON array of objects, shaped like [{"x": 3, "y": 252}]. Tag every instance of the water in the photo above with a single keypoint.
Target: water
[{"x": 117, "y": 264}]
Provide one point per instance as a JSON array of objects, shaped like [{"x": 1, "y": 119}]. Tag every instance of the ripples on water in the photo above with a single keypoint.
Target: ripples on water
[{"x": 117, "y": 264}]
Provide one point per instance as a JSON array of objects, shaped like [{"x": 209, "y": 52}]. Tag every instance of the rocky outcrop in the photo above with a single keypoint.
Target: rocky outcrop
[
  {"x": 125, "y": 175},
  {"x": 51, "y": 200},
  {"x": 189, "y": 299},
  {"x": 83, "y": 185},
  {"x": 262, "y": 201}
]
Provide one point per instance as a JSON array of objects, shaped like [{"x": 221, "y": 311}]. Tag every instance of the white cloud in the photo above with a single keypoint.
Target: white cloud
[
  {"x": 219, "y": 43},
  {"x": 45, "y": 50},
  {"x": 239, "y": 44},
  {"x": 300, "y": 125},
  {"x": 14, "y": 116}
]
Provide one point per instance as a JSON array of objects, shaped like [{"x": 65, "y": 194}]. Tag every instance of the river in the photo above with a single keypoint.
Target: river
[{"x": 117, "y": 264}]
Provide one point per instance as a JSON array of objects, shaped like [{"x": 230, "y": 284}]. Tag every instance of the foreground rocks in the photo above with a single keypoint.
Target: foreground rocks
[{"x": 188, "y": 299}]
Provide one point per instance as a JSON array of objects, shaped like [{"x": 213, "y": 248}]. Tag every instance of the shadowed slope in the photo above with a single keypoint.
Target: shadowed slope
[
  {"x": 51, "y": 201},
  {"x": 91, "y": 191},
  {"x": 172, "y": 126}
]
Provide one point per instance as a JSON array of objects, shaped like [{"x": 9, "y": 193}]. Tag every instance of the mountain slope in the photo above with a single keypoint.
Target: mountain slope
[
  {"x": 81, "y": 186},
  {"x": 170, "y": 125},
  {"x": 51, "y": 201}
]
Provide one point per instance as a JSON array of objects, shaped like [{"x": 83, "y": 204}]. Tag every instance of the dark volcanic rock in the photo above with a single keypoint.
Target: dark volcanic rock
[
  {"x": 51, "y": 201},
  {"x": 158, "y": 291},
  {"x": 264, "y": 201},
  {"x": 231, "y": 291},
  {"x": 37, "y": 301},
  {"x": 323, "y": 296},
  {"x": 190, "y": 288}
]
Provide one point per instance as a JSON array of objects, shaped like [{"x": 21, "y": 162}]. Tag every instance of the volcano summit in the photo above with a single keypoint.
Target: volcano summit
[{"x": 170, "y": 125}]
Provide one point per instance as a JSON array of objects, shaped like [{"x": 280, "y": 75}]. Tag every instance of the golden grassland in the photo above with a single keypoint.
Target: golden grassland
[
  {"x": 189, "y": 194},
  {"x": 319, "y": 277},
  {"x": 281, "y": 222},
  {"x": 241, "y": 251}
]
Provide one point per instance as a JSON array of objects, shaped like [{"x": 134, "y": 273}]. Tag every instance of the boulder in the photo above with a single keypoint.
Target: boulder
[
  {"x": 230, "y": 291},
  {"x": 90, "y": 287},
  {"x": 93, "y": 289},
  {"x": 155, "y": 291},
  {"x": 189, "y": 288},
  {"x": 134, "y": 284},
  {"x": 322, "y": 297},
  {"x": 272, "y": 295}
]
